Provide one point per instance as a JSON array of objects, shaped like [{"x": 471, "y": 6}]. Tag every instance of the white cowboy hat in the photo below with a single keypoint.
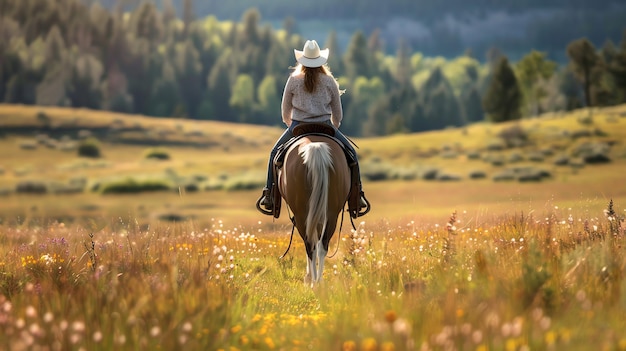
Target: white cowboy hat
[{"x": 311, "y": 55}]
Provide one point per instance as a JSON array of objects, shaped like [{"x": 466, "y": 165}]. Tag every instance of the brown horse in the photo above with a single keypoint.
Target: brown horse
[{"x": 315, "y": 183}]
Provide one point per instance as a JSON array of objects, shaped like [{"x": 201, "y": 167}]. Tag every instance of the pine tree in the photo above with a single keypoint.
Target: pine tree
[
  {"x": 334, "y": 57},
  {"x": 357, "y": 57},
  {"x": 583, "y": 61},
  {"x": 616, "y": 67},
  {"x": 503, "y": 98},
  {"x": 441, "y": 109}
]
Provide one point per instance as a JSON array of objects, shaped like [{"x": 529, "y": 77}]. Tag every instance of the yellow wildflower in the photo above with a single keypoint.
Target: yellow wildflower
[
  {"x": 369, "y": 344},
  {"x": 349, "y": 346},
  {"x": 269, "y": 342},
  {"x": 387, "y": 346}
]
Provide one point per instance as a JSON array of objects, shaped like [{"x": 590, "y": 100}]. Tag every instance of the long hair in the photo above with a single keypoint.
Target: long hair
[{"x": 311, "y": 74}]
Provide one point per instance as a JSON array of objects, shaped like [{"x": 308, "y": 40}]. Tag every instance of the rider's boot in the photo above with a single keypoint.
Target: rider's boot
[{"x": 266, "y": 200}]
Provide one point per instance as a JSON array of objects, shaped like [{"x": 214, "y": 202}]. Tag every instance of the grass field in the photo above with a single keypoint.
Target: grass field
[{"x": 465, "y": 264}]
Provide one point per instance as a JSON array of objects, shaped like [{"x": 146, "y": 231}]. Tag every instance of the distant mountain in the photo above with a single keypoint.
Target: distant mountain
[{"x": 442, "y": 27}]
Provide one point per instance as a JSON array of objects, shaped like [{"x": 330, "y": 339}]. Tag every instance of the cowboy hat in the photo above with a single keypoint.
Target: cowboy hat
[{"x": 311, "y": 55}]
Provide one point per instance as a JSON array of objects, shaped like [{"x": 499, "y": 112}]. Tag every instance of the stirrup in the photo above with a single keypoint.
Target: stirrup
[
  {"x": 264, "y": 203},
  {"x": 364, "y": 205}
]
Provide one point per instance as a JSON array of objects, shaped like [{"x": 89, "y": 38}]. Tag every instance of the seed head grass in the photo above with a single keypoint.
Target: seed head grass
[{"x": 518, "y": 282}]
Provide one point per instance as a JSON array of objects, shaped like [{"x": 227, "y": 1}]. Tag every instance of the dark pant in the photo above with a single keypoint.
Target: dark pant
[{"x": 288, "y": 134}]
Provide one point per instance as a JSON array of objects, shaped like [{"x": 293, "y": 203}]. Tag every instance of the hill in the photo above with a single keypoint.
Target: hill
[{"x": 163, "y": 169}]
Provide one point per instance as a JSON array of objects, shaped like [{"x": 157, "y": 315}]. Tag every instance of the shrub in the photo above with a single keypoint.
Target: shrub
[
  {"x": 131, "y": 185},
  {"x": 43, "y": 118},
  {"x": 31, "y": 187},
  {"x": 447, "y": 177},
  {"x": 473, "y": 155},
  {"x": 522, "y": 174},
  {"x": 515, "y": 157},
  {"x": 535, "y": 157},
  {"x": 514, "y": 136},
  {"x": 478, "y": 174},
  {"x": 28, "y": 145},
  {"x": 506, "y": 175},
  {"x": 157, "y": 154},
  {"x": 561, "y": 160},
  {"x": 430, "y": 174},
  {"x": 89, "y": 147},
  {"x": 593, "y": 152},
  {"x": 244, "y": 182}
]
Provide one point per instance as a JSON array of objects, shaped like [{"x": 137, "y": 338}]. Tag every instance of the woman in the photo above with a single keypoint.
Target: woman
[{"x": 311, "y": 95}]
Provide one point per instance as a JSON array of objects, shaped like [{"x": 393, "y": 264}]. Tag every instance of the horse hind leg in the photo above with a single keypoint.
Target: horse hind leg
[
  {"x": 320, "y": 252},
  {"x": 311, "y": 270}
]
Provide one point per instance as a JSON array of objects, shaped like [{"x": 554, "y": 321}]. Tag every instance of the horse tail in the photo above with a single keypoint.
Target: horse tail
[{"x": 318, "y": 159}]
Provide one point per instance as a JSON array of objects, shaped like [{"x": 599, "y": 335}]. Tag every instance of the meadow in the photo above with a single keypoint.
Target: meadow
[{"x": 445, "y": 260}]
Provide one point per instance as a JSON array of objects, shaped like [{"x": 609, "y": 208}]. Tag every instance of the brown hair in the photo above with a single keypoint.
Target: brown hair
[{"x": 310, "y": 76}]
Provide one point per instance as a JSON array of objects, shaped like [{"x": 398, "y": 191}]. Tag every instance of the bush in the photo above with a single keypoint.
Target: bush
[
  {"x": 89, "y": 147},
  {"x": 477, "y": 174},
  {"x": 28, "y": 145},
  {"x": 157, "y": 154},
  {"x": 132, "y": 185},
  {"x": 514, "y": 136},
  {"x": 31, "y": 187}
]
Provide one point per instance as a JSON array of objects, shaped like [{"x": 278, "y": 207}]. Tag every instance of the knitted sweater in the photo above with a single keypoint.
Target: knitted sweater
[{"x": 320, "y": 106}]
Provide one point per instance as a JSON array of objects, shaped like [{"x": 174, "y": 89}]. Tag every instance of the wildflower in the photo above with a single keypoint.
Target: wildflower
[
  {"x": 78, "y": 326},
  {"x": 31, "y": 312},
  {"x": 387, "y": 346},
  {"x": 269, "y": 342},
  {"x": 391, "y": 316},
  {"x": 97, "y": 336},
  {"x": 550, "y": 338},
  {"x": 155, "y": 331},
  {"x": 369, "y": 344},
  {"x": 187, "y": 327},
  {"x": 348, "y": 346}
]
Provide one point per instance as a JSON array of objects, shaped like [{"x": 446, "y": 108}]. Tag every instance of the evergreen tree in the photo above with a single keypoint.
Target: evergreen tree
[
  {"x": 503, "y": 98},
  {"x": 402, "y": 72},
  {"x": 363, "y": 93},
  {"x": 334, "y": 59},
  {"x": 188, "y": 16},
  {"x": 165, "y": 97},
  {"x": 441, "y": 108},
  {"x": 530, "y": 71},
  {"x": 472, "y": 105},
  {"x": 242, "y": 98},
  {"x": 357, "y": 57},
  {"x": 616, "y": 66},
  {"x": 84, "y": 89},
  {"x": 219, "y": 87},
  {"x": 188, "y": 70},
  {"x": 52, "y": 89},
  {"x": 583, "y": 61},
  {"x": 269, "y": 102}
]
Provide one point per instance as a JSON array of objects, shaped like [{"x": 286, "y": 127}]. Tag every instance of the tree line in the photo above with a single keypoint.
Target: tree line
[{"x": 165, "y": 62}]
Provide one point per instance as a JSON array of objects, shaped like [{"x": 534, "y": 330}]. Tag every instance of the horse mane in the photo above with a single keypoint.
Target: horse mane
[{"x": 318, "y": 159}]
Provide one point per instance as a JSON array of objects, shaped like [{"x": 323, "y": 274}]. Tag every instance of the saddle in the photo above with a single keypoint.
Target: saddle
[{"x": 305, "y": 130}]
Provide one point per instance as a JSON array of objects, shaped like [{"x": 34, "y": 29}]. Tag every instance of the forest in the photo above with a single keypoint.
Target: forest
[{"x": 169, "y": 61}]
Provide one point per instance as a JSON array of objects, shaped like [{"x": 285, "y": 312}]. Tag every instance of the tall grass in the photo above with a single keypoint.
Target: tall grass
[{"x": 513, "y": 283}]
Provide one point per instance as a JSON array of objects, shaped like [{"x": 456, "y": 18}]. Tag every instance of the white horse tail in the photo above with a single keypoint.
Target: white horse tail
[{"x": 318, "y": 159}]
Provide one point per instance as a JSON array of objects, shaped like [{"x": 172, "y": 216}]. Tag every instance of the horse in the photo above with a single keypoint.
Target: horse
[{"x": 315, "y": 183}]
